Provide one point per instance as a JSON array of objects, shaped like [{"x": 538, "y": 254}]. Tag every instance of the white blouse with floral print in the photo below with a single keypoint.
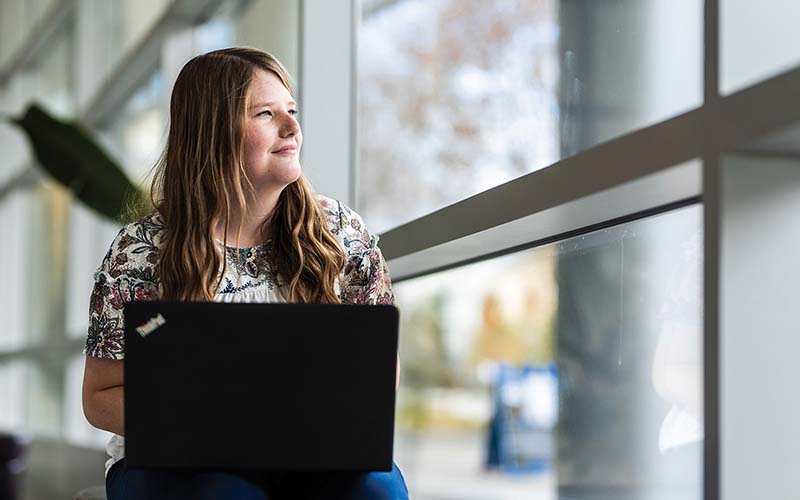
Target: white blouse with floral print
[{"x": 128, "y": 273}]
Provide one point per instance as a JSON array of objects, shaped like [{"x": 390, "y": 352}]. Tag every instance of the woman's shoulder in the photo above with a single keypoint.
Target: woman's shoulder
[
  {"x": 134, "y": 251},
  {"x": 348, "y": 227},
  {"x": 343, "y": 220}
]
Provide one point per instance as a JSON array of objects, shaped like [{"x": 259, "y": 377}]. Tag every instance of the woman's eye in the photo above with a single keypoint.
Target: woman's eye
[
  {"x": 292, "y": 112},
  {"x": 265, "y": 113}
]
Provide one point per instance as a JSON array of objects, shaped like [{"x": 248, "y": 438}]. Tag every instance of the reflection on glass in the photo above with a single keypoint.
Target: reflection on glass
[
  {"x": 757, "y": 41},
  {"x": 458, "y": 96},
  {"x": 572, "y": 370},
  {"x": 630, "y": 360}
]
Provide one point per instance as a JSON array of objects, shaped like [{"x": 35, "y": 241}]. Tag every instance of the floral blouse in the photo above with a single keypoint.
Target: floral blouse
[{"x": 128, "y": 273}]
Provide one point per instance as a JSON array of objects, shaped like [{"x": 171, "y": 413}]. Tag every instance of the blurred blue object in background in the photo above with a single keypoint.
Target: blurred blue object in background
[{"x": 520, "y": 438}]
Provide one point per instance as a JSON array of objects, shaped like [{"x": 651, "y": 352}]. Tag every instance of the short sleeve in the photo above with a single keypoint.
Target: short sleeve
[
  {"x": 365, "y": 279},
  {"x": 127, "y": 273}
]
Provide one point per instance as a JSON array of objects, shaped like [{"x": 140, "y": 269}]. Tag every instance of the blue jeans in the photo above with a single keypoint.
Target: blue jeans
[{"x": 123, "y": 483}]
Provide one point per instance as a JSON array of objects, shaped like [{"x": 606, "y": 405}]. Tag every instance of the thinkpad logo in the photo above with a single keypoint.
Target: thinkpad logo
[{"x": 151, "y": 325}]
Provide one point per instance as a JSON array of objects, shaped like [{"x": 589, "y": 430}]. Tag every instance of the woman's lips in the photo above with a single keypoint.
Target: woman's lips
[{"x": 288, "y": 151}]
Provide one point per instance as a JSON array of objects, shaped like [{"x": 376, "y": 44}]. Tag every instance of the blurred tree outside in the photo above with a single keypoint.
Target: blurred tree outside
[
  {"x": 454, "y": 97},
  {"x": 458, "y": 323}
]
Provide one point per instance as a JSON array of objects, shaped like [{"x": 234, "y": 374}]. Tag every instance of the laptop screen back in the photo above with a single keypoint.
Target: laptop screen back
[{"x": 266, "y": 386}]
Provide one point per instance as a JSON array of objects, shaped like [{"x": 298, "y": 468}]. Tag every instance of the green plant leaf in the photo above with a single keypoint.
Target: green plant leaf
[{"x": 69, "y": 153}]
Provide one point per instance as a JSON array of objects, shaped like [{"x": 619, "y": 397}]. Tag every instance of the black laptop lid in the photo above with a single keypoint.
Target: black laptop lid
[{"x": 269, "y": 386}]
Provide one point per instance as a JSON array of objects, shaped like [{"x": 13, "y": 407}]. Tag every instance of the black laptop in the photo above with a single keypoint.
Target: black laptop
[{"x": 260, "y": 386}]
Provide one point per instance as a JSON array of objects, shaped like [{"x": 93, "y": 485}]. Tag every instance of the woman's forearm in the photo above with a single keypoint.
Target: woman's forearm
[{"x": 106, "y": 410}]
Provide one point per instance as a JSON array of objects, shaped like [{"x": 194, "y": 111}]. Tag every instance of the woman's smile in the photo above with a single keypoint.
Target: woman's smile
[{"x": 287, "y": 150}]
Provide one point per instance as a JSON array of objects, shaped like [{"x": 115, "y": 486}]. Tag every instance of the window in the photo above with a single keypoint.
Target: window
[
  {"x": 582, "y": 356},
  {"x": 455, "y": 97}
]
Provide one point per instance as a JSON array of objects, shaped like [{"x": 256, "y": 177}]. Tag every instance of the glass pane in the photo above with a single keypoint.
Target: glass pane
[
  {"x": 264, "y": 25},
  {"x": 44, "y": 383},
  {"x": 12, "y": 390},
  {"x": 756, "y": 42},
  {"x": 131, "y": 21},
  {"x": 17, "y": 18},
  {"x": 35, "y": 10},
  {"x": 46, "y": 242},
  {"x": 49, "y": 82},
  {"x": 271, "y": 28},
  {"x": 571, "y": 371},
  {"x": 140, "y": 131},
  {"x": 458, "y": 96},
  {"x": 15, "y": 209},
  {"x": 89, "y": 238},
  {"x": 11, "y": 28},
  {"x": 31, "y": 396}
]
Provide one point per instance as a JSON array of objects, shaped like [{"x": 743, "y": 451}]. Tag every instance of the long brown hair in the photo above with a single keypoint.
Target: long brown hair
[{"x": 200, "y": 177}]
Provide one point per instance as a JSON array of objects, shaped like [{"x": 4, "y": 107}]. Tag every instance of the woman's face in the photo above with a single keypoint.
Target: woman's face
[{"x": 272, "y": 135}]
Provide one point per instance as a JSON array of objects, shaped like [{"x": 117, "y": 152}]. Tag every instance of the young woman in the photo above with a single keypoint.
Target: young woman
[{"x": 235, "y": 221}]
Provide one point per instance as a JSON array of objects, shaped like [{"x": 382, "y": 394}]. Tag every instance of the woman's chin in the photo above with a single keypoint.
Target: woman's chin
[
  {"x": 291, "y": 175},
  {"x": 282, "y": 175}
]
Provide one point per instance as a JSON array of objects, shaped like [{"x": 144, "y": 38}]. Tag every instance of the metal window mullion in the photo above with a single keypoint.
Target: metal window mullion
[
  {"x": 711, "y": 221},
  {"x": 711, "y": 54},
  {"x": 326, "y": 96},
  {"x": 711, "y": 291},
  {"x": 355, "y": 16}
]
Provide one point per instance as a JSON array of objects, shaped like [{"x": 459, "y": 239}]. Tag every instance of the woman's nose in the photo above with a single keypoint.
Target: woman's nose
[{"x": 290, "y": 127}]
